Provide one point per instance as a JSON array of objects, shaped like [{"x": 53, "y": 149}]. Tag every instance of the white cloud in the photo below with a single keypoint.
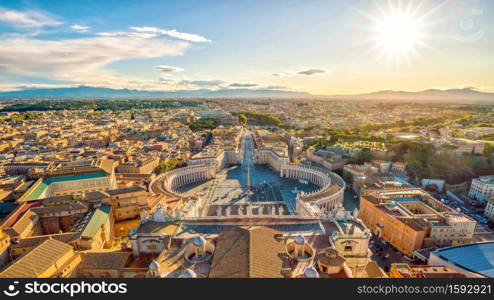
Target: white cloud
[
  {"x": 168, "y": 69},
  {"x": 462, "y": 87},
  {"x": 27, "y": 19},
  {"x": 152, "y": 32},
  {"x": 172, "y": 33},
  {"x": 306, "y": 72},
  {"x": 311, "y": 72},
  {"x": 283, "y": 74},
  {"x": 8, "y": 87},
  {"x": 142, "y": 35},
  {"x": 242, "y": 85},
  {"x": 83, "y": 60},
  {"x": 209, "y": 83},
  {"x": 276, "y": 87},
  {"x": 80, "y": 28}
]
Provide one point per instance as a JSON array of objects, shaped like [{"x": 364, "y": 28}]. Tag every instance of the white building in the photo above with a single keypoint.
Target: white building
[
  {"x": 489, "y": 209},
  {"x": 482, "y": 188}
]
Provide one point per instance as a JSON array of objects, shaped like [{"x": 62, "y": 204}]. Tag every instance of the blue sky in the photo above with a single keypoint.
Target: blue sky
[{"x": 318, "y": 46}]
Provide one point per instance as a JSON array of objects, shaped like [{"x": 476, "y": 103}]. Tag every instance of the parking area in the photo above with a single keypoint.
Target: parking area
[
  {"x": 384, "y": 254},
  {"x": 467, "y": 208}
]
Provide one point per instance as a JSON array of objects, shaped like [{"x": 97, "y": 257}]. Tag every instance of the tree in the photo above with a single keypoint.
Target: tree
[
  {"x": 364, "y": 156},
  {"x": 320, "y": 144},
  {"x": 204, "y": 123},
  {"x": 488, "y": 150},
  {"x": 166, "y": 165},
  {"x": 242, "y": 118},
  {"x": 263, "y": 119}
]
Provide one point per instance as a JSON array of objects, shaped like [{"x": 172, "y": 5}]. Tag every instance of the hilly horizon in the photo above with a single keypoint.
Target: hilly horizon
[
  {"x": 98, "y": 92},
  {"x": 462, "y": 95}
]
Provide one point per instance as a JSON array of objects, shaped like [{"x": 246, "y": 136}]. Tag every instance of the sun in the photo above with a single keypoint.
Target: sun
[
  {"x": 398, "y": 31},
  {"x": 398, "y": 35}
]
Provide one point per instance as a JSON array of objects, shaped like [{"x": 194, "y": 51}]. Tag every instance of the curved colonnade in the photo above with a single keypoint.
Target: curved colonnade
[
  {"x": 263, "y": 156},
  {"x": 323, "y": 201},
  {"x": 176, "y": 178}
]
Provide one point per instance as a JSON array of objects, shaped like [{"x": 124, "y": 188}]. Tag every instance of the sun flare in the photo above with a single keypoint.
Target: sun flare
[
  {"x": 398, "y": 31},
  {"x": 398, "y": 35}
]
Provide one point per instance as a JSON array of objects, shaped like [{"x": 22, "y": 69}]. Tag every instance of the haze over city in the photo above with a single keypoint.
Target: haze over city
[{"x": 319, "y": 47}]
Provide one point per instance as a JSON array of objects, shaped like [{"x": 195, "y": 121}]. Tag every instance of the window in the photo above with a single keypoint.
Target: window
[{"x": 348, "y": 248}]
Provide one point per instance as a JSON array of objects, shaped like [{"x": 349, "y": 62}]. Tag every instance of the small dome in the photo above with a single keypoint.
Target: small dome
[
  {"x": 331, "y": 252},
  {"x": 330, "y": 257},
  {"x": 188, "y": 274},
  {"x": 300, "y": 240},
  {"x": 199, "y": 241},
  {"x": 132, "y": 234},
  {"x": 154, "y": 265},
  {"x": 311, "y": 272}
]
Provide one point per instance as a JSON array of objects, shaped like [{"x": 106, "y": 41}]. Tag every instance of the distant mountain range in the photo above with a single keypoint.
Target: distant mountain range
[
  {"x": 96, "y": 92},
  {"x": 466, "y": 95},
  {"x": 434, "y": 95}
]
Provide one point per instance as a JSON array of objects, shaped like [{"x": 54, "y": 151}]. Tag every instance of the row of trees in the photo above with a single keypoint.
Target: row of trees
[
  {"x": 96, "y": 105},
  {"x": 19, "y": 118},
  {"x": 423, "y": 161},
  {"x": 256, "y": 118},
  {"x": 413, "y": 124},
  {"x": 204, "y": 123}
]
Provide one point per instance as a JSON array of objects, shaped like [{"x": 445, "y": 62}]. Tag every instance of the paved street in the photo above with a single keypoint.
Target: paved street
[{"x": 385, "y": 254}]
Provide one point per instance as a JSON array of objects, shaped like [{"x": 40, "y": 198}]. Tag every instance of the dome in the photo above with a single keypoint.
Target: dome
[
  {"x": 330, "y": 257},
  {"x": 154, "y": 265},
  {"x": 331, "y": 252},
  {"x": 199, "y": 241},
  {"x": 198, "y": 250},
  {"x": 132, "y": 234},
  {"x": 311, "y": 272},
  {"x": 300, "y": 240},
  {"x": 188, "y": 274}
]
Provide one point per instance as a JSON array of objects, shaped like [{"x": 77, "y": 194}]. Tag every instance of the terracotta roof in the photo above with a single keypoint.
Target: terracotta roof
[
  {"x": 248, "y": 252},
  {"x": 417, "y": 224},
  {"x": 372, "y": 270},
  {"x": 107, "y": 165},
  {"x": 126, "y": 190},
  {"x": 88, "y": 196},
  {"x": 37, "y": 261},
  {"x": 36, "y": 240},
  {"x": 152, "y": 227},
  {"x": 60, "y": 208},
  {"x": 29, "y": 218},
  {"x": 105, "y": 260}
]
